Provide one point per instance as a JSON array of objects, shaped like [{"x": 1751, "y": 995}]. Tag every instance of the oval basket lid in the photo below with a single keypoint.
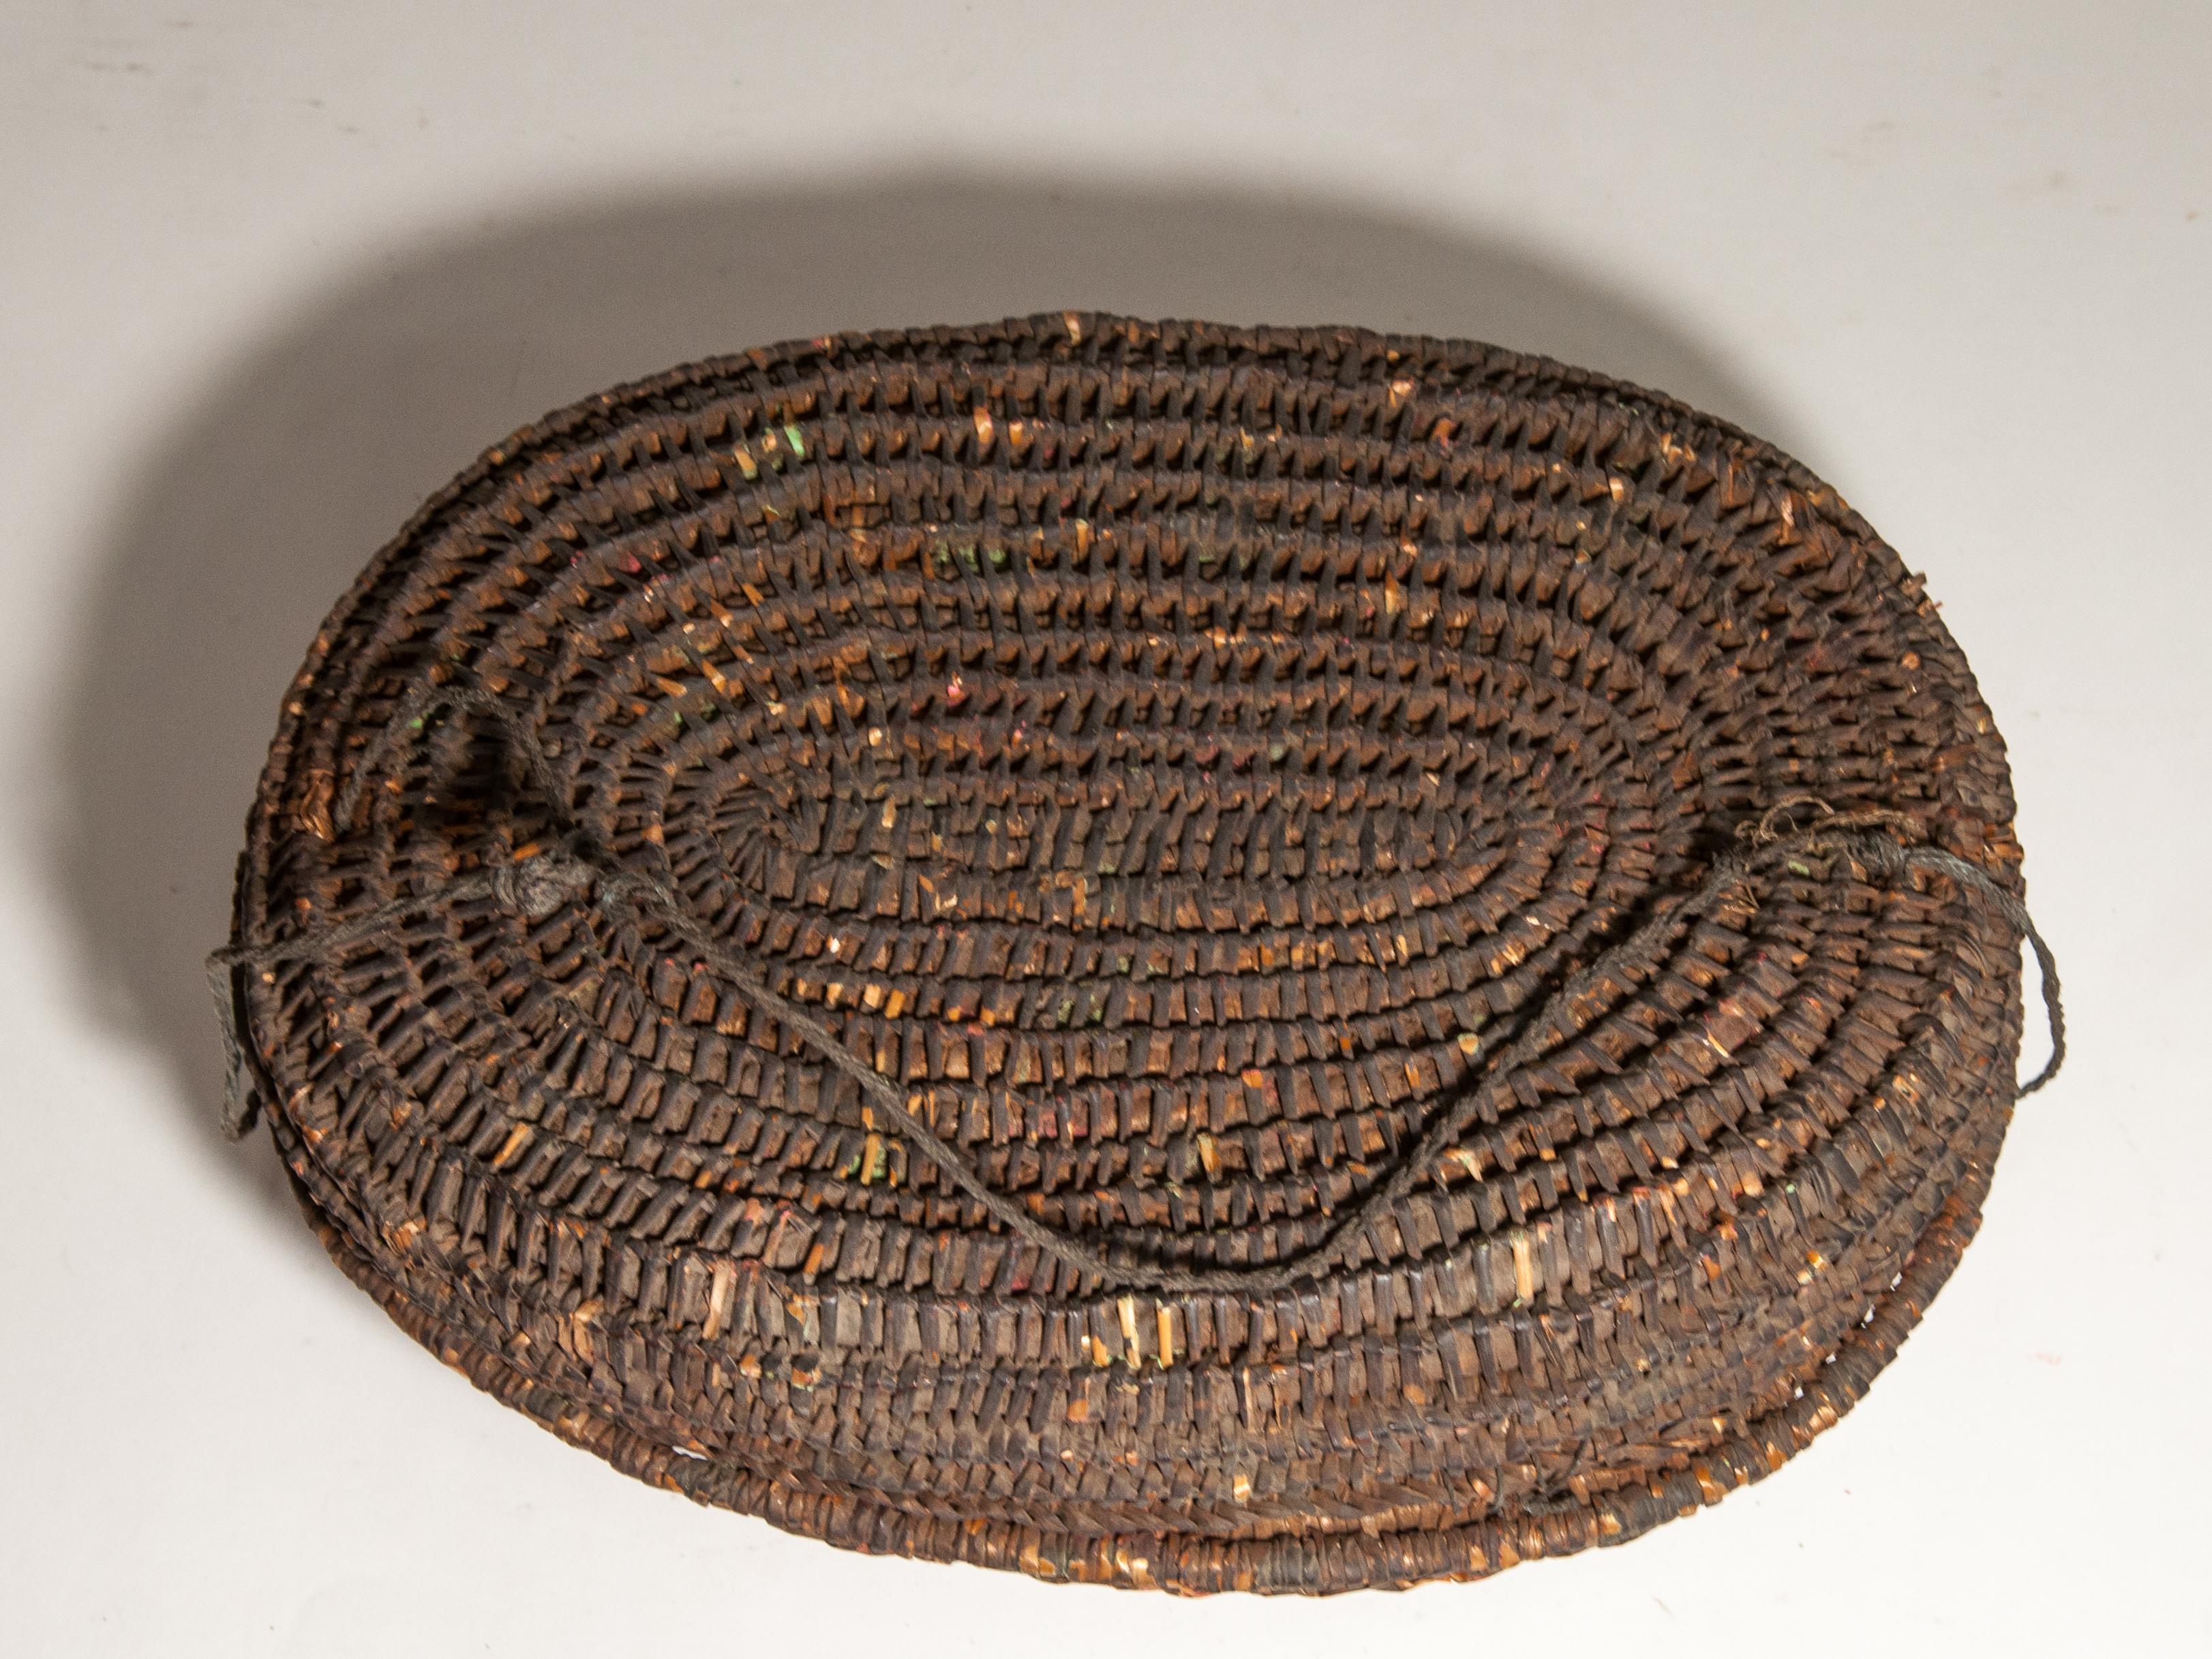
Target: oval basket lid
[{"x": 1279, "y": 959}]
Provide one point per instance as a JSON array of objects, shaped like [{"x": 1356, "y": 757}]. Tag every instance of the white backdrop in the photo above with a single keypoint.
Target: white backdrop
[{"x": 269, "y": 273}]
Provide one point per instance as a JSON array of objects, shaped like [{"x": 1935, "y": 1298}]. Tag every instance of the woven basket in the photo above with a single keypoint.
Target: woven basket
[{"x": 1155, "y": 954}]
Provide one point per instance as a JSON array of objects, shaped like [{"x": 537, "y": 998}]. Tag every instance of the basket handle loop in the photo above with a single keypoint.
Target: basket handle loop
[{"x": 1880, "y": 842}]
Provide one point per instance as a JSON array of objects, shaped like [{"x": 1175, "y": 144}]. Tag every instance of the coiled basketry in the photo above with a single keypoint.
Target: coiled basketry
[{"x": 1266, "y": 959}]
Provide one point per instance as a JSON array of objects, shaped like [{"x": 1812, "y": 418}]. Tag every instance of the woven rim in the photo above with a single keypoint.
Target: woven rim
[{"x": 1179, "y": 756}]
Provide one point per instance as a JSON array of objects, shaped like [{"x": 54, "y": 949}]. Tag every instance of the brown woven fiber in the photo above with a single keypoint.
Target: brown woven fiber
[{"x": 1161, "y": 954}]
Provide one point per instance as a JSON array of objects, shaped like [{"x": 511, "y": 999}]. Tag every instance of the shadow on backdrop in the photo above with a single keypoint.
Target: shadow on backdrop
[{"x": 266, "y": 495}]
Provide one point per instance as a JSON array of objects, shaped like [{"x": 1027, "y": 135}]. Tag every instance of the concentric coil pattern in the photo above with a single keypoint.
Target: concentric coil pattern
[{"x": 1176, "y": 754}]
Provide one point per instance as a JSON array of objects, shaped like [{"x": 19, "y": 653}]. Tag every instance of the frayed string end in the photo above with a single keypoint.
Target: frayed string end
[{"x": 241, "y": 1099}]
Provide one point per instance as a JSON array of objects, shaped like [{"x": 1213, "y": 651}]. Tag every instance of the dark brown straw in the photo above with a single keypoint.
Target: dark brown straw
[{"x": 1164, "y": 955}]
